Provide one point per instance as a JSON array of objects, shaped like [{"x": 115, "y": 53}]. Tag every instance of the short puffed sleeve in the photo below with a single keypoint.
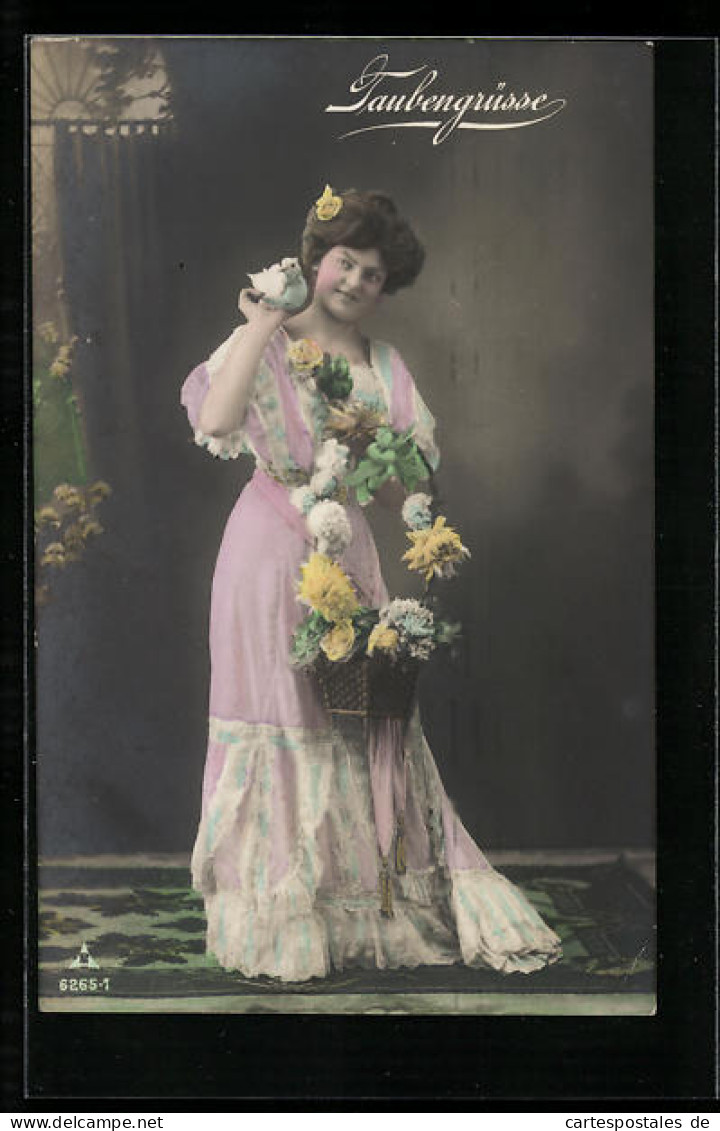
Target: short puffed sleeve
[
  {"x": 273, "y": 429},
  {"x": 193, "y": 394}
]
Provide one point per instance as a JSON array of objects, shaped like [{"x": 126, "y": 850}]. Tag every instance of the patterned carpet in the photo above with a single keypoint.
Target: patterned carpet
[{"x": 129, "y": 935}]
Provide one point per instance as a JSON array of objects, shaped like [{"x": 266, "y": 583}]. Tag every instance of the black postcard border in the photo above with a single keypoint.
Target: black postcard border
[{"x": 382, "y": 1063}]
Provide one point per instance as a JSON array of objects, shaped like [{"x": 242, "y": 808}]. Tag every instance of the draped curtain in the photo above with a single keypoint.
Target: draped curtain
[{"x": 114, "y": 743}]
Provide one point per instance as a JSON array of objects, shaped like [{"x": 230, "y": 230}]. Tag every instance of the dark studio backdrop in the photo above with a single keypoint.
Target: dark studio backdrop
[{"x": 530, "y": 335}]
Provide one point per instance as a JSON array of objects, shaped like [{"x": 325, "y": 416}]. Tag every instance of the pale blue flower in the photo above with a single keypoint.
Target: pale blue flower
[
  {"x": 411, "y": 618},
  {"x": 416, "y": 511},
  {"x": 303, "y": 499}
]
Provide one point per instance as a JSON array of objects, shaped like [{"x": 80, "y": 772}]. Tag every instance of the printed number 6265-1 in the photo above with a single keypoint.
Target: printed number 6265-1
[{"x": 84, "y": 985}]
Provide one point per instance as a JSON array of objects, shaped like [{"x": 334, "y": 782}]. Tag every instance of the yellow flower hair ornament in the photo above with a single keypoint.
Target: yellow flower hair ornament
[{"x": 328, "y": 205}]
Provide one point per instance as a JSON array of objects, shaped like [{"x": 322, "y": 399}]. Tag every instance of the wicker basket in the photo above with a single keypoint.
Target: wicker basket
[{"x": 368, "y": 686}]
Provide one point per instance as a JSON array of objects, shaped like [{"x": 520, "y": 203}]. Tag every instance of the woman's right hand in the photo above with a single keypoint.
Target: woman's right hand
[
  {"x": 226, "y": 401},
  {"x": 258, "y": 312}
]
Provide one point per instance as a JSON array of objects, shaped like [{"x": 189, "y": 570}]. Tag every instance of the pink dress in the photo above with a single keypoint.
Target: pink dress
[{"x": 297, "y": 810}]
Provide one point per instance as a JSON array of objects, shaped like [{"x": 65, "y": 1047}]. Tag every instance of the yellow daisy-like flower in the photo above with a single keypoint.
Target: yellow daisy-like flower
[
  {"x": 305, "y": 356},
  {"x": 49, "y": 332},
  {"x": 338, "y": 641},
  {"x": 328, "y": 205},
  {"x": 47, "y": 516},
  {"x": 89, "y": 526},
  {"x": 327, "y": 589},
  {"x": 435, "y": 551},
  {"x": 54, "y": 554},
  {"x": 98, "y": 491},
  {"x": 68, "y": 495},
  {"x": 384, "y": 638},
  {"x": 73, "y": 536}
]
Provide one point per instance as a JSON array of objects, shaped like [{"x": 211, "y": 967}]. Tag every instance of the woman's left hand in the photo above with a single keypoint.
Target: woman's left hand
[{"x": 392, "y": 494}]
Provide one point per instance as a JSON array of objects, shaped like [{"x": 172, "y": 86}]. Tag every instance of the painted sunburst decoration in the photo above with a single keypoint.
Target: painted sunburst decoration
[
  {"x": 115, "y": 86},
  {"x": 68, "y": 80}
]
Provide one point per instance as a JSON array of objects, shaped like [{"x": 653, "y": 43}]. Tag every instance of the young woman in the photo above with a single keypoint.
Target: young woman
[{"x": 297, "y": 814}]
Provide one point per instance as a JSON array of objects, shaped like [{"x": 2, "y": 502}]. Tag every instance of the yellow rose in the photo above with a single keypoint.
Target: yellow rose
[
  {"x": 383, "y": 638},
  {"x": 305, "y": 355},
  {"x": 338, "y": 641},
  {"x": 328, "y": 205}
]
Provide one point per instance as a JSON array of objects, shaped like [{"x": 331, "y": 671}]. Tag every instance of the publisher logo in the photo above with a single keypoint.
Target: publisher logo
[{"x": 83, "y": 960}]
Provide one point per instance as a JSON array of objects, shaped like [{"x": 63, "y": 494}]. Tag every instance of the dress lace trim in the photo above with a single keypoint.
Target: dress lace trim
[{"x": 274, "y": 909}]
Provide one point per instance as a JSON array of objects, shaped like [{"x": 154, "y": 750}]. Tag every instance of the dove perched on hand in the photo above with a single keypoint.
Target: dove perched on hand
[{"x": 282, "y": 286}]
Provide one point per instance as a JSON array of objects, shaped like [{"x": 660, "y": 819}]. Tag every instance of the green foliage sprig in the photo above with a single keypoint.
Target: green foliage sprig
[
  {"x": 333, "y": 377},
  {"x": 391, "y": 454}
]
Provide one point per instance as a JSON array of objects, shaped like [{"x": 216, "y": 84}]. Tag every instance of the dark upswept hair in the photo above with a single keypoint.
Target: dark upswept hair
[{"x": 366, "y": 220}]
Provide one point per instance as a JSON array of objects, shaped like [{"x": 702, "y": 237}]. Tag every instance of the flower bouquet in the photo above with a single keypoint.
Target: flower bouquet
[{"x": 366, "y": 660}]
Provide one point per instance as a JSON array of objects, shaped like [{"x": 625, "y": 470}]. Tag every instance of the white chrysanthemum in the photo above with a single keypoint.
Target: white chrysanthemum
[
  {"x": 332, "y": 458},
  {"x": 323, "y": 483},
  {"x": 303, "y": 498},
  {"x": 330, "y": 527},
  {"x": 416, "y": 511}
]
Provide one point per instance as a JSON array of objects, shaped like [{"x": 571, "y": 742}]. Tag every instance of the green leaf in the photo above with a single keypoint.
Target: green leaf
[
  {"x": 305, "y": 643},
  {"x": 446, "y": 632},
  {"x": 364, "y": 471}
]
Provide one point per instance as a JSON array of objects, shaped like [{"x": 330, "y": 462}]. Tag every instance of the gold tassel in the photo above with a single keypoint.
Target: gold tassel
[
  {"x": 386, "y": 900},
  {"x": 400, "y": 858}
]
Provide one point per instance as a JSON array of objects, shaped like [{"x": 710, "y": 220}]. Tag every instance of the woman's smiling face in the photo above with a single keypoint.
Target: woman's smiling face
[{"x": 349, "y": 282}]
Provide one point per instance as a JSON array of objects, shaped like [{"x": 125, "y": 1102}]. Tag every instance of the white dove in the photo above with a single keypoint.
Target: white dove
[{"x": 283, "y": 285}]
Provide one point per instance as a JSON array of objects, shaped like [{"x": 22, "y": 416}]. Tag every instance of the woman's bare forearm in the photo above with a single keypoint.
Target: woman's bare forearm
[
  {"x": 223, "y": 410},
  {"x": 226, "y": 401}
]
